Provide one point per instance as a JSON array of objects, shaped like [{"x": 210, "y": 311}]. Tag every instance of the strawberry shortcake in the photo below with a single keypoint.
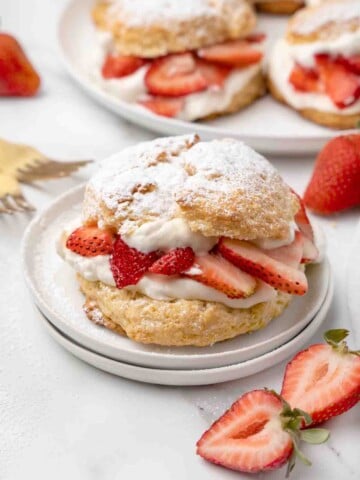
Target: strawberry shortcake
[
  {"x": 315, "y": 69},
  {"x": 188, "y": 60},
  {"x": 184, "y": 242}
]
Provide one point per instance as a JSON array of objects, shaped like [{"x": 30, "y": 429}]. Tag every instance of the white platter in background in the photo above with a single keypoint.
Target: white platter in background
[
  {"x": 55, "y": 290},
  {"x": 266, "y": 125}
]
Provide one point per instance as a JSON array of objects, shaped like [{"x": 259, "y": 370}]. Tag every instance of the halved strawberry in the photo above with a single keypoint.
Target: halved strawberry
[
  {"x": 290, "y": 255},
  {"x": 305, "y": 79},
  {"x": 90, "y": 241},
  {"x": 259, "y": 432},
  {"x": 341, "y": 85},
  {"x": 351, "y": 63},
  {"x": 302, "y": 219},
  {"x": 215, "y": 75},
  {"x": 256, "y": 37},
  {"x": 324, "y": 379},
  {"x": 17, "y": 75},
  {"x": 216, "y": 272},
  {"x": 310, "y": 252},
  {"x": 174, "y": 262},
  {"x": 117, "y": 66},
  {"x": 129, "y": 265},
  {"x": 236, "y": 53},
  {"x": 165, "y": 106},
  {"x": 175, "y": 75},
  {"x": 259, "y": 264}
]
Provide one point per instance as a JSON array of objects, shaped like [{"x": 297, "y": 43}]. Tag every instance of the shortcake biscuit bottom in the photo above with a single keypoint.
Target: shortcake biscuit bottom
[
  {"x": 282, "y": 7},
  {"x": 177, "y": 322},
  {"x": 327, "y": 119}
]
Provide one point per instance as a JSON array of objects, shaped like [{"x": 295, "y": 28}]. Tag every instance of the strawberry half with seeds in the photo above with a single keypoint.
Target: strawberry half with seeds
[
  {"x": 164, "y": 106},
  {"x": 324, "y": 379},
  {"x": 258, "y": 263},
  {"x": 236, "y": 53},
  {"x": 216, "y": 272},
  {"x": 117, "y": 66},
  {"x": 174, "y": 262},
  {"x": 17, "y": 75},
  {"x": 129, "y": 265},
  {"x": 90, "y": 241},
  {"x": 334, "y": 185},
  {"x": 259, "y": 432}
]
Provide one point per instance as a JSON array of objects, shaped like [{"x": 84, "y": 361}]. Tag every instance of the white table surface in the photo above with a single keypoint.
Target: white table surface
[{"x": 59, "y": 417}]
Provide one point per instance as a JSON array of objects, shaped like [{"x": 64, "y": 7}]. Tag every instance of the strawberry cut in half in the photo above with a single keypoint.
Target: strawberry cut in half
[
  {"x": 334, "y": 185},
  {"x": 17, "y": 75},
  {"x": 302, "y": 220},
  {"x": 341, "y": 85},
  {"x": 117, "y": 66},
  {"x": 90, "y": 241},
  {"x": 305, "y": 79},
  {"x": 216, "y": 272},
  {"x": 290, "y": 255},
  {"x": 175, "y": 75},
  {"x": 174, "y": 262},
  {"x": 129, "y": 265},
  {"x": 236, "y": 53},
  {"x": 259, "y": 432},
  {"x": 324, "y": 379},
  {"x": 258, "y": 263},
  {"x": 164, "y": 106},
  {"x": 352, "y": 63}
]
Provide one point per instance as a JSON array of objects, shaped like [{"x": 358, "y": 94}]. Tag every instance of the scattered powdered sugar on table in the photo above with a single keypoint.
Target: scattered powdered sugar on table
[
  {"x": 141, "y": 183},
  {"x": 339, "y": 12}
]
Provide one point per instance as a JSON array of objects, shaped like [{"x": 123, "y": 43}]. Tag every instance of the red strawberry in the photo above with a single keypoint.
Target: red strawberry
[
  {"x": 258, "y": 263},
  {"x": 310, "y": 252},
  {"x": 167, "y": 107},
  {"x": 236, "y": 53},
  {"x": 324, "y": 379},
  {"x": 215, "y": 75},
  {"x": 90, "y": 241},
  {"x": 351, "y": 63},
  {"x": 341, "y": 85},
  {"x": 175, "y": 75},
  {"x": 255, "y": 37},
  {"x": 128, "y": 265},
  {"x": 17, "y": 76},
  {"x": 218, "y": 273},
  {"x": 117, "y": 66},
  {"x": 334, "y": 185},
  {"x": 290, "y": 255},
  {"x": 302, "y": 219},
  {"x": 305, "y": 79},
  {"x": 257, "y": 434},
  {"x": 174, "y": 262}
]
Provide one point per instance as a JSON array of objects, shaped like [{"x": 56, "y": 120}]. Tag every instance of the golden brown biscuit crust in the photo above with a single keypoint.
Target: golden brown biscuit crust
[
  {"x": 326, "y": 119},
  {"x": 178, "y": 322},
  {"x": 279, "y": 7},
  {"x": 226, "y": 20}
]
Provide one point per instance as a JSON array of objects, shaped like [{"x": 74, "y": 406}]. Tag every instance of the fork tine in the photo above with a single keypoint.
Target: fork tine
[
  {"x": 4, "y": 208},
  {"x": 9, "y": 203},
  {"x": 50, "y": 169},
  {"x": 21, "y": 201}
]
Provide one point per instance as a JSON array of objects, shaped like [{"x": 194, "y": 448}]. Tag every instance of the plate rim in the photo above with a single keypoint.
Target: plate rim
[{"x": 138, "y": 357}]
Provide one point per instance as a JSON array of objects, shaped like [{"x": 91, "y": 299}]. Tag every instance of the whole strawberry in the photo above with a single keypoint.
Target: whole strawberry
[
  {"x": 17, "y": 76},
  {"x": 335, "y": 184}
]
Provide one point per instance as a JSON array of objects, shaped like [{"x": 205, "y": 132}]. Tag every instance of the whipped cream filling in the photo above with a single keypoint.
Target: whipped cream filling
[
  {"x": 285, "y": 55},
  {"x": 132, "y": 87}
]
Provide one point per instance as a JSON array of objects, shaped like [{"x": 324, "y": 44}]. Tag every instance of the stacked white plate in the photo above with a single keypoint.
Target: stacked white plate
[{"x": 56, "y": 293}]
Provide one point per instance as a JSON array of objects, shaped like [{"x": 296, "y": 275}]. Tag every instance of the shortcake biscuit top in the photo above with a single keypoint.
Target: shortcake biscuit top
[{"x": 221, "y": 187}]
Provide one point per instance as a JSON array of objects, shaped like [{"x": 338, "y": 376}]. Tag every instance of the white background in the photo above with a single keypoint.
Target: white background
[{"x": 60, "y": 418}]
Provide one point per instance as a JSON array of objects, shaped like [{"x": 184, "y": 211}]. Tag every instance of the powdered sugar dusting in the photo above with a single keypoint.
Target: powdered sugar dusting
[
  {"x": 143, "y": 183},
  {"x": 339, "y": 11}
]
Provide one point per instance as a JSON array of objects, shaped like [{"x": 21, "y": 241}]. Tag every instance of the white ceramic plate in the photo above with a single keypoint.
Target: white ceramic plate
[
  {"x": 193, "y": 377},
  {"x": 266, "y": 125},
  {"x": 56, "y": 292},
  {"x": 353, "y": 279}
]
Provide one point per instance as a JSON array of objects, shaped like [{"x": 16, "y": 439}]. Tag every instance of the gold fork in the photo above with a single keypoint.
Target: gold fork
[{"x": 21, "y": 163}]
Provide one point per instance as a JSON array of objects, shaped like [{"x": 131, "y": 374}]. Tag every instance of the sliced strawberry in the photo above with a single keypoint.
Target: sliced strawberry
[
  {"x": 324, "y": 379},
  {"x": 236, "y": 53},
  {"x": 310, "y": 252},
  {"x": 302, "y": 219},
  {"x": 341, "y": 85},
  {"x": 174, "y": 262},
  {"x": 256, "y": 37},
  {"x": 117, "y": 66},
  {"x": 334, "y": 185},
  {"x": 215, "y": 75},
  {"x": 290, "y": 255},
  {"x": 90, "y": 241},
  {"x": 216, "y": 272},
  {"x": 305, "y": 79},
  {"x": 255, "y": 434},
  {"x": 164, "y": 106},
  {"x": 259, "y": 264},
  {"x": 351, "y": 63},
  {"x": 129, "y": 265},
  {"x": 17, "y": 75},
  {"x": 175, "y": 75}
]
